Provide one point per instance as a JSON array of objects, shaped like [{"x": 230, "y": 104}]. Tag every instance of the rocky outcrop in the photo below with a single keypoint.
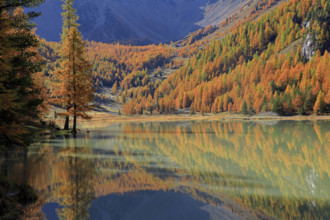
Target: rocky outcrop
[
  {"x": 309, "y": 47},
  {"x": 135, "y": 20}
]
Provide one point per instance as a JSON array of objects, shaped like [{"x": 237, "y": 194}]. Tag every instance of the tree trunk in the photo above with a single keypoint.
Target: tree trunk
[
  {"x": 74, "y": 124},
  {"x": 66, "y": 125},
  {"x": 75, "y": 91}
]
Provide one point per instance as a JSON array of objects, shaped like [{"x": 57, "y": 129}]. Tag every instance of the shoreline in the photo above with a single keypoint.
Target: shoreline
[{"x": 104, "y": 119}]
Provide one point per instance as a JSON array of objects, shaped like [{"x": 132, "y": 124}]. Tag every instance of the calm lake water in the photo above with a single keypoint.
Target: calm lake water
[{"x": 181, "y": 170}]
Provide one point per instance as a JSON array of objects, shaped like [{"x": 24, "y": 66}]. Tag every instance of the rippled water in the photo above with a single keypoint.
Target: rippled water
[{"x": 181, "y": 170}]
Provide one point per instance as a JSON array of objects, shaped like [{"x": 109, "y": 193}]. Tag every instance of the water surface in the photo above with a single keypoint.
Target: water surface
[{"x": 181, "y": 170}]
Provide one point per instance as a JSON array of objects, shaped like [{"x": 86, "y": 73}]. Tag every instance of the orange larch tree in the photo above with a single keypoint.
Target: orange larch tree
[{"x": 74, "y": 85}]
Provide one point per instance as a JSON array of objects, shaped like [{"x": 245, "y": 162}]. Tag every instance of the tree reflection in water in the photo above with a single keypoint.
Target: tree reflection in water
[
  {"x": 76, "y": 192},
  {"x": 254, "y": 169}
]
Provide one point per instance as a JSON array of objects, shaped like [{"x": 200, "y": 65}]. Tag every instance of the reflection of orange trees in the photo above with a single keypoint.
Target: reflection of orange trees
[
  {"x": 64, "y": 174},
  {"x": 284, "y": 143},
  {"x": 279, "y": 170},
  {"x": 139, "y": 176},
  {"x": 76, "y": 190},
  {"x": 33, "y": 170},
  {"x": 135, "y": 179},
  {"x": 255, "y": 163},
  {"x": 41, "y": 165}
]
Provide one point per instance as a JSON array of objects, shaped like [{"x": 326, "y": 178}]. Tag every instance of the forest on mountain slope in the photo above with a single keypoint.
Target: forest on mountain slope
[
  {"x": 246, "y": 71},
  {"x": 116, "y": 63},
  {"x": 256, "y": 65},
  {"x": 132, "y": 66}
]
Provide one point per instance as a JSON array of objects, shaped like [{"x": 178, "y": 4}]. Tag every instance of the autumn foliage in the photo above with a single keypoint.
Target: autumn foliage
[
  {"x": 72, "y": 79},
  {"x": 248, "y": 66}
]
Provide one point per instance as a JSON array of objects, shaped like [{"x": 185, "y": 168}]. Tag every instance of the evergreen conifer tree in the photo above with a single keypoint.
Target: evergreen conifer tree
[{"x": 19, "y": 62}]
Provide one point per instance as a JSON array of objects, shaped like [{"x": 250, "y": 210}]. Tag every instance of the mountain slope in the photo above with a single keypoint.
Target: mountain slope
[
  {"x": 246, "y": 72},
  {"x": 144, "y": 20}
]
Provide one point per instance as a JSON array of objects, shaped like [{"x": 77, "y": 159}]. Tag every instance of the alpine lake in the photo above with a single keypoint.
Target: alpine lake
[{"x": 238, "y": 169}]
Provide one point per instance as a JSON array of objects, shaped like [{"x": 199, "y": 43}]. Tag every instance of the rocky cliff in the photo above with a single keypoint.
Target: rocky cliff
[{"x": 130, "y": 20}]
